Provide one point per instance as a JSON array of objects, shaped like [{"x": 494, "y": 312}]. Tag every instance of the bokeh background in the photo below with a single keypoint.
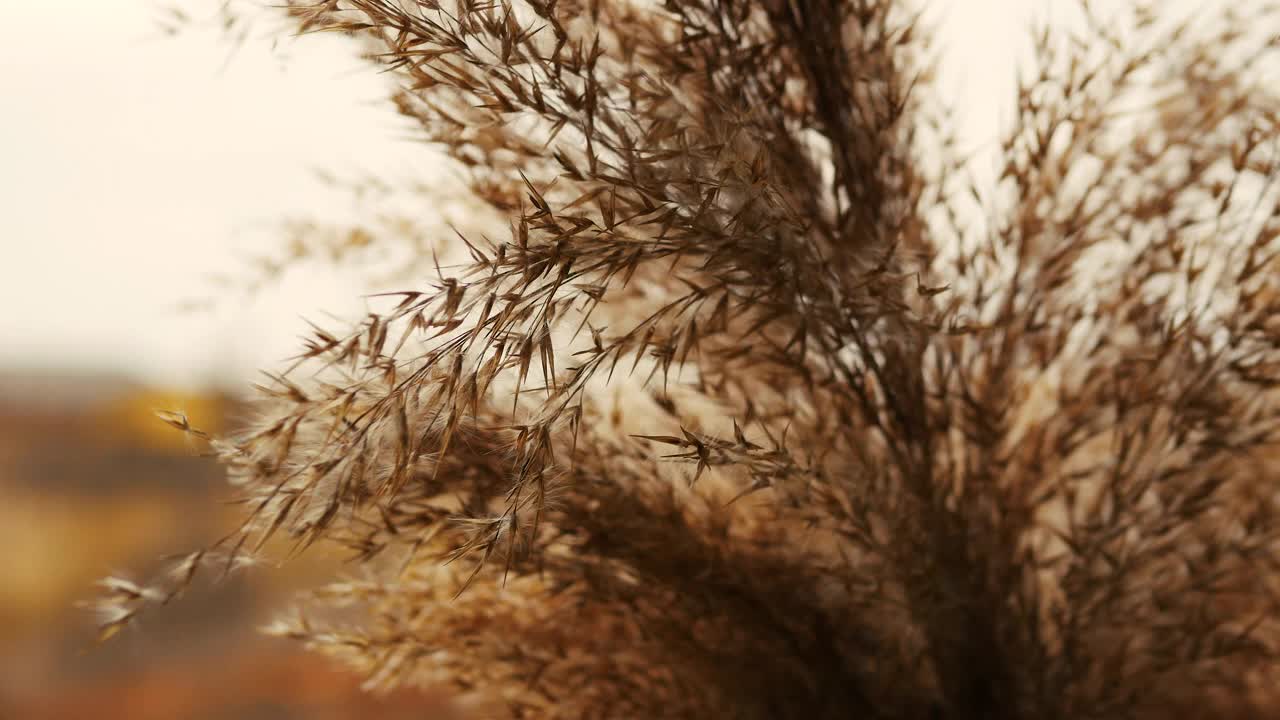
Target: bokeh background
[{"x": 144, "y": 174}]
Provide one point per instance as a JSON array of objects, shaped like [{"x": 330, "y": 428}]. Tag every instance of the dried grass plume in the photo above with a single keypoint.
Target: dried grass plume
[{"x": 755, "y": 406}]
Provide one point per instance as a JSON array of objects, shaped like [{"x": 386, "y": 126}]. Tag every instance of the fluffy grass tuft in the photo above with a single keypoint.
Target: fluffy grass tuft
[{"x": 757, "y": 407}]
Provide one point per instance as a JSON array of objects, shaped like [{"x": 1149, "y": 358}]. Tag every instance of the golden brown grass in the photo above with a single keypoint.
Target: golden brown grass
[{"x": 747, "y": 415}]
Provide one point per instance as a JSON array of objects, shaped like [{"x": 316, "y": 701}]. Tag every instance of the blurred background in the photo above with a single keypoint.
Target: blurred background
[{"x": 142, "y": 171}]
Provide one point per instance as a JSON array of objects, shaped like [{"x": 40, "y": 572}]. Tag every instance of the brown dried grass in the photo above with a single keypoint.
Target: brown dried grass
[{"x": 746, "y": 418}]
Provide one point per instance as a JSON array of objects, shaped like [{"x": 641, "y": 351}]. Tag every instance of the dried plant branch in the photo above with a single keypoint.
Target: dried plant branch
[{"x": 745, "y": 419}]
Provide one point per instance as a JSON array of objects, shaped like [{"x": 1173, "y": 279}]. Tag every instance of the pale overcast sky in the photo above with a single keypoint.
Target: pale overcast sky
[{"x": 132, "y": 164}]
